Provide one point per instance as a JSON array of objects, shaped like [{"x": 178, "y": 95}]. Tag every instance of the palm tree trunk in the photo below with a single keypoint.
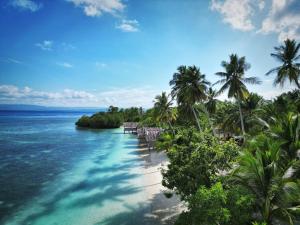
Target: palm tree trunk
[
  {"x": 196, "y": 118},
  {"x": 210, "y": 121},
  {"x": 241, "y": 116},
  {"x": 297, "y": 83}
]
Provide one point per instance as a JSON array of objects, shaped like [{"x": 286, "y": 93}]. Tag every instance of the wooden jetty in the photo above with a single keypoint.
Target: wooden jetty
[
  {"x": 130, "y": 127},
  {"x": 149, "y": 134}
]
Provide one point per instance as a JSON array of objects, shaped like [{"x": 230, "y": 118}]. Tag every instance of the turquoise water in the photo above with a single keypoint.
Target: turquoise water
[{"x": 55, "y": 174}]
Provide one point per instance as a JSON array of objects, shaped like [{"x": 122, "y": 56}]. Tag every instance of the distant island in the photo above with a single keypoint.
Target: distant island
[{"x": 112, "y": 118}]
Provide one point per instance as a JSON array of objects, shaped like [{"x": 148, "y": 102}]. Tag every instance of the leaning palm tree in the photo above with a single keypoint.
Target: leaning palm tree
[
  {"x": 189, "y": 87},
  {"x": 163, "y": 109},
  {"x": 234, "y": 80},
  {"x": 287, "y": 54}
]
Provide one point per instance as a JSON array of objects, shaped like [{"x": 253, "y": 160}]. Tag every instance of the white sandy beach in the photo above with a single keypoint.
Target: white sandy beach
[{"x": 163, "y": 210}]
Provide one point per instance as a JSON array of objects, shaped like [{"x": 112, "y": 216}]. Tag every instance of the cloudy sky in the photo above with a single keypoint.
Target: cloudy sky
[{"x": 124, "y": 52}]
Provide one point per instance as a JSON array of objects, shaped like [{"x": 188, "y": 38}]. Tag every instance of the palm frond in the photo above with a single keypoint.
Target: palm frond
[{"x": 252, "y": 80}]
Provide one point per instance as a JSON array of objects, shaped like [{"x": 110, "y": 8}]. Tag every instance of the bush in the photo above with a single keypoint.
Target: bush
[
  {"x": 100, "y": 121},
  {"x": 195, "y": 160},
  {"x": 84, "y": 121},
  {"x": 216, "y": 205}
]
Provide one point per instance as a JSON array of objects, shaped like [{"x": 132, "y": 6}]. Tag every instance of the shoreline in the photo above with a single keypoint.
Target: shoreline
[
  {"x": 162, "y": 210},
  {"x": 117, "y": 182}
]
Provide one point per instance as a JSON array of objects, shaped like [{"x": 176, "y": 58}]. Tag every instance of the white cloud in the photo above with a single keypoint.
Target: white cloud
[
  {"x": 14, "y": 95},
  {"x": 98, "y": 7},
  {"x": 45, "y": 45},
  {"x": 237, "y": 13},
  {"x": 127, "y": 97},
  {"x": 65, "y": 64},
  {"x": 128, "y": 26},
  {"x": 26, "y": 5},
  {"x": 122, "y": 97},
  {"x": 280, "y": 17},
  {"x": 283, "y": 19}
]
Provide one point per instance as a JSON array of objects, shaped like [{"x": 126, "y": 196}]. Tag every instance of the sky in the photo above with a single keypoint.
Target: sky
[{"x": 96, "y": 53}]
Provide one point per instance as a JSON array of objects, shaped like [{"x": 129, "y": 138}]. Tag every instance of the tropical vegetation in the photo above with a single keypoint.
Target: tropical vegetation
[
  {"x": 112, "y": 118},
  {"x": 223, "y": 179},
  {"x": 233, "y": 162}
]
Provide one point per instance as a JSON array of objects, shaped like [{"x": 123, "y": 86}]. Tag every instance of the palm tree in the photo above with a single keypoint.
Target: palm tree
[
  {"x": 251, "y": 106},
  {"x": 211, "y": 103},
  {"x": 163, "y": 110},
  {"x": 234, "y": 80},
  {"x": 276, "y": 191},
  {"x": 210, "y": 106},
  {"x": 287, "y": 54},
  {"x": 286, "y": 129},
  {"x": 189, "y": 87}
]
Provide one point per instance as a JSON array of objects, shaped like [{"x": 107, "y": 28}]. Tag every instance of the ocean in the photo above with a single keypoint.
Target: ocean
[{"x": 52, "y": 173}]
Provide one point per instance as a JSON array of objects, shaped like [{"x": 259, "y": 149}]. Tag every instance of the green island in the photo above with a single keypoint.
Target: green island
[{"x": 232, "y": 162}]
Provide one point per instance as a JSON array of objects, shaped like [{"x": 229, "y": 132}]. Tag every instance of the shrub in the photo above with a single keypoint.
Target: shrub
[
  {"x": 84, "y": 121},
  {"x": 100, "y": 121}
]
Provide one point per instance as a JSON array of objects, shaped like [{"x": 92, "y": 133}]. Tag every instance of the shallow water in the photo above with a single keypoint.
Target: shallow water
[{"x": 53, "y": 174}]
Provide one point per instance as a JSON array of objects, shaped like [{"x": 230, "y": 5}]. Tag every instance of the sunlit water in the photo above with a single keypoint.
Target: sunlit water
[{"x": 54, "y": 174}]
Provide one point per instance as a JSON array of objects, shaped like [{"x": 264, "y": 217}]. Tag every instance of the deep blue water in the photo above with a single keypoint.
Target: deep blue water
[{"x": 50, "y": 171}]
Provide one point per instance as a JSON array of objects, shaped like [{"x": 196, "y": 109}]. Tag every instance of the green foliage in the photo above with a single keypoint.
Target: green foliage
[
  {"x": 84, "y": 121},
  {"x": 211, "y": 103},
  {"x": 189, "y": 87},
  {"x": 195, "y": 160},
  {"x": 105, "y": 120},
  {"x": 164, "y": 142},
  {"x": 148, "y": 119},
  {"x": 257, "y": 223},
  {"x": 240, "y": 203},
  {"x": 100, "y": 120},
  {"x": 217, "y": 205},
  {"x": 288, "y": 55},
  {"x": 262, "y": 170},
  {"x": 113, "y": 118},
  {"x": 163, "y": 113},
  {"x": 133, "y": 114},
  {"x": 206, "y": 207}
]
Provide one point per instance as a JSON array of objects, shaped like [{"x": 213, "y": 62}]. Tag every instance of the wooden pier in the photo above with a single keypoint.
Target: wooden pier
[
  {"x": 130, "y": 127},
  {"x": 149, "y": 134}
]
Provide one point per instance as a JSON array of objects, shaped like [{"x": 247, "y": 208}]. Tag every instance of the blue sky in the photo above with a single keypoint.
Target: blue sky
[{"x": 124, "y": 52}]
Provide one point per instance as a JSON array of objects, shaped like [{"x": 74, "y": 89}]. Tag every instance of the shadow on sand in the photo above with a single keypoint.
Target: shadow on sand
[{"x": 159, "y": 210}]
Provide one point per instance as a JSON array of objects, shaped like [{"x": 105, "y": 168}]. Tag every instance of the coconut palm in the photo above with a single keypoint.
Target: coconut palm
[
  {"x": 189, "y": 87},
  {"x": 286, "y": 129},
  {"x": 260, "y": 171},
  {"x": 211, "y": 103},
  {"x": 251, "y": 106},
  {"x": 233, "y": 79},
  {"x": 210, "y": 106},
  {"x": 287, "y": 54},
  {"x": 163, "y": 110}
]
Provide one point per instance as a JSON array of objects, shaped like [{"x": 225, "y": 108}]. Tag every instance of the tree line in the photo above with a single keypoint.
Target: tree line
[{"x": 222, "y": 180}]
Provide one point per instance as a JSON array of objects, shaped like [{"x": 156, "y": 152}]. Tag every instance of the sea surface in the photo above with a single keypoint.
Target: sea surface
[{"x": 52, "y": 173}]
